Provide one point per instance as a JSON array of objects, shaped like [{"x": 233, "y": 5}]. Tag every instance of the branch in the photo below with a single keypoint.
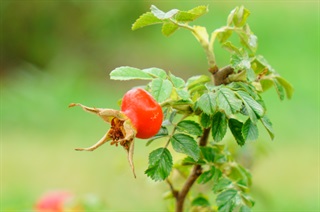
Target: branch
[{"x": 195, "y": 173}]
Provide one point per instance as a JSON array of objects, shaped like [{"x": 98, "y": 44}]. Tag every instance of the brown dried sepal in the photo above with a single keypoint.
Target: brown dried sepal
[{"x": 121, "y": 132}]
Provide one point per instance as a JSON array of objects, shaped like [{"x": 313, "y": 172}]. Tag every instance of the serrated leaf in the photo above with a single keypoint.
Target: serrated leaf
[
  {"x": 228, "y": 102},
  {"x": 161, "y": 89},
  {"x": 200, "y": 201},
  {"x": 236, "y": 129},
  {"x": 190, "y": 127},
  {"x": 250, "y": 131},
  {"x": 253, "y": 108},
  {"x": 206, "y": 176},
  {"x": 185, "y": 144},
  {"x": 128, "y": 73},
  {"x": 219, "y": 126},
  {"x": 191, "y": 15},
  {"x": 168, "y": 28},
  {"x": 226, "y": 197},
  {"x": 221, "y": 185},
  {"x": 160, "y": 164},
  {"x": 244, "y": 208},
  {"x": 207, "y": 103},
  {"x": 156, "y": 72},
  {"x": 184, "y": 95},
  {"x": 286, "y": 85},
  {"x": 268, "y": 125},
  {"x": 145, "y": 19},
  {"x": 176, "y": 81},
  {"x": 208, "y": 153},
  {"x": 205, "y": 120},
  {"x": 190, "y": 161}
]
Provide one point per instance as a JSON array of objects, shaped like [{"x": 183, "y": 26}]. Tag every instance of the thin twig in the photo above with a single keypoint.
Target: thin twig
[{"x": 195, "y": 173}]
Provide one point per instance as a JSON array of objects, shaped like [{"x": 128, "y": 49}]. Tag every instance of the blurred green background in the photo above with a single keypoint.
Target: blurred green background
[{"x": 57, "y": 52}]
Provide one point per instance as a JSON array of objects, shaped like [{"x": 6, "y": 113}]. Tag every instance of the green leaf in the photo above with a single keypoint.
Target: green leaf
[
  {"x": 244, "y": 208},
  {"x": 230, "y": 47},
  {"x": 286, "y": 85},
  {"x": 241, "y": 16},
  {"x": 156, "y": 72},
  {"x": 128, "y": 73},
  {"x": 240, "y": 62},
  {"x": 250, "y": 131},
  {"x": 190, "y": 127},
  {"x": 160, "y": 164},
  {"x": 279, "y": 88},
  {"x": 205, "y": 120},
  {"x": 200, "y": 201},
  {"x": 219, "y": 126},
  {"x": 221, "y": 185},
  {"x": 226, "y": 197},
  {"x": 236, "y": 130},
  {"x": 208, "y": 153},
  {"x": 196, "y": 84},
  {"x": 185, "y": 144},
  {"x": 253, "y": 108},
  {"x": 176, "y": 81},
  {"x": 206, "y": 176},
  {"x": 191, "y": 15},
  {"x": 145, "y": 19},
  {"x": 207, "y": 103},
  {"x": 268, "y": 125},
  {"x": 228, "y": 102},
  {"x": 161, "y": 89},
  {"x": 223, "y": 34},
  {"x": 168, "y": 28},
  {"x": 184, "y": 95}
]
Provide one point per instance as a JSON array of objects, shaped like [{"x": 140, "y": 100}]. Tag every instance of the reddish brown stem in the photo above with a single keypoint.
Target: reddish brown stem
[{"x": 195, "y": 173}]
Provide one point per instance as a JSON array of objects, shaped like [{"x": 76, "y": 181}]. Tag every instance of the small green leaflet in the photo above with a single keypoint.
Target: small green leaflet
[
  {"x": 176, "y": 81},
  {"x": 222, "y": 184},
  {"x": 145, "y": 19},
  {"x": 238, "y": 16},
  {"x": 185, "y": 144},
  {"x": 129, "y": 73},
  {"x": 168, "y": 28},
  {"x": 205, "y": 120},
  {"x": 190, "y": 127},
  {"x": 161, "y": 89},
  {"x": 228, "y": 102},
  {"x": 226, "y": 200},
  {"x": 162, "y": 133},
  {"x": 207, "y": 103},
  {"x": 268, "y": 125},
  {"x": 194, "y": 81},
  {"x": 279, "y": 88},
  {"x": 219, "y": 126},
  {"x": 253, "y": 108},
  {"x": 206, "y": 176},
  {"x": 191, "y": 15},
  {"x": 236, "y": 130},
  {"x": 156, "y": 72},
  {"x": 208, "y": 153},
  {"x": 160, "y": 164},
  {"x": 250, "y": 131},
  {"x": 286, "y": 85},
  {"x": 200, "y": 201}
]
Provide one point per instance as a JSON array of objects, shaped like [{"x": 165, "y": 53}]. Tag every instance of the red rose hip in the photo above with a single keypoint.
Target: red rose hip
[{"x": 144, "y": 112}]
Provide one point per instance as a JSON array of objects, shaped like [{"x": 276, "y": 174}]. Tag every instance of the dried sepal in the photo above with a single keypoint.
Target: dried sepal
[{"x": 121, "y": 131}]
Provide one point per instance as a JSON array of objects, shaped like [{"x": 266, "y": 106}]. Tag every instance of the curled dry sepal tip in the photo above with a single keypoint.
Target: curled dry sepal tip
[{"x": 140, "y": 116}]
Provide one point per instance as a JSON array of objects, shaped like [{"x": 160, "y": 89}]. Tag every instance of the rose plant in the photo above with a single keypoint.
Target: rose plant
[{"x": 179, "y": 112}]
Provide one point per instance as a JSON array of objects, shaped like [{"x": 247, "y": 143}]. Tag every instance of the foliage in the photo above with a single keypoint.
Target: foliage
[{"x": 199, "y": 105}]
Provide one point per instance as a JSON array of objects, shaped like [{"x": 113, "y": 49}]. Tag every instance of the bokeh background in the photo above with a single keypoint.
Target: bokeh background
[{"x": 57, "y": 52}]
